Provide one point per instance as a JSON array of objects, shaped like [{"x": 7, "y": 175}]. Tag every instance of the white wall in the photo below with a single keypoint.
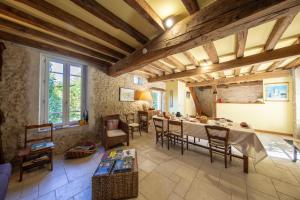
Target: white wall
[{"x": 270, "y": 116}]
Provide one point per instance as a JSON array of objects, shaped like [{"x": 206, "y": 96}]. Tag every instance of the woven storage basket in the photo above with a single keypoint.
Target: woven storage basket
[
  {"x": 116, "y": 185},
  {"x": 74, "y": 153}
]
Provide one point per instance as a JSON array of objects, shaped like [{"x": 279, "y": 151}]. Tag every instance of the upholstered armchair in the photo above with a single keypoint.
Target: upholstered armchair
[{"x": 114, "y": 131}]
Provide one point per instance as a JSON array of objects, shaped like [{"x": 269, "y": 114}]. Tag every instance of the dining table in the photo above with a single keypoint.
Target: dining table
[{"x": 243, "y": 139}]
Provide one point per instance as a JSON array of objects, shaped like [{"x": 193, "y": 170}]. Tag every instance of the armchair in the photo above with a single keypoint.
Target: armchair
[{"x": 114, "y": 131}]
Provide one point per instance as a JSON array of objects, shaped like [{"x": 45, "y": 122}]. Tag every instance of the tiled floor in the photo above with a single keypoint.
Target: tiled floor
[{"x": 166, "y": 174}]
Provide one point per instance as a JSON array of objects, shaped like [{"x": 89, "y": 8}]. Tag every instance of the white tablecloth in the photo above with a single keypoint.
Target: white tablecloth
[{"x": 243, "y": 139}]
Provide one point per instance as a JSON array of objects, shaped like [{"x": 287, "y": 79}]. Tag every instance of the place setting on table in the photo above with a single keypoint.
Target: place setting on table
[{"x": 241, "y": 135}]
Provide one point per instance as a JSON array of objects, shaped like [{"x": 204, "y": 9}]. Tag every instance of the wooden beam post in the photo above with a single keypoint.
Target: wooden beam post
[
  {"x": 2, "y": 48},
  {"x": 196, "y": 100},
  {"x": 191, "y": 6}
]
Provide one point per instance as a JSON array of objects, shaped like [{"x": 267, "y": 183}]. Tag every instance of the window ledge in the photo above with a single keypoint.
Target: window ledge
[{"x": 64, "y": 127}]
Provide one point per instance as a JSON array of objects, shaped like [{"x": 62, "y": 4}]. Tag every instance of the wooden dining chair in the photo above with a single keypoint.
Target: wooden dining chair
[
  {"x": 175, "y": 132},
  {"x": 132, "y": 125},
  {"x": 159, "y": 130},
  {"x": 218, "y": 141}
]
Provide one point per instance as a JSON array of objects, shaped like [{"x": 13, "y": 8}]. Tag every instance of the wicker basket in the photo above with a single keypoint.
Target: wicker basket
[
  {"x": 116, "y": 185},
  {"x": 79, "y": 153}
]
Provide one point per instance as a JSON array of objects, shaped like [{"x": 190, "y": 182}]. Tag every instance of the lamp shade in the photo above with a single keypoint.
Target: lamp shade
[{"x": 143, "y": 96}]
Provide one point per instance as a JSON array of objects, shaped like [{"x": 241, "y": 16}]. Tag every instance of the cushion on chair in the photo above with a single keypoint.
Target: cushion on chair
[
  {"x": 134, "y": 125},
  {"x": 115, "y": 133},
  {"x": 112, "y": 124}
]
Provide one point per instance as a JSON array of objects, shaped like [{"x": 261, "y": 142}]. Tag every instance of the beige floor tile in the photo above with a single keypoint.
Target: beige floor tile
[
  {"x": 260, "y": 183},
  {"x": 186, "y": 172},
  {"x": 49, "y": 196},
  {"x": 203, "y": 191},
  {"x": 148, "y": 166},
  {"x": 288, "y": 189},
  {"x": 84, "y": 195},
  {"x": 174, "y": 196},
  {"x": 257, "y": 195},
  {"x": 182, "y": 187},
  {"x": 156, "y": 186},
  {"x": 284, "y": 196},
  {"x": 51, "y": 183}
]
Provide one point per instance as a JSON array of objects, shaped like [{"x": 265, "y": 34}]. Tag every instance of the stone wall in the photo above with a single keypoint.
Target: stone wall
[
  {"x": 231, "y": 94},
  {"x": 19, "y": 99}
]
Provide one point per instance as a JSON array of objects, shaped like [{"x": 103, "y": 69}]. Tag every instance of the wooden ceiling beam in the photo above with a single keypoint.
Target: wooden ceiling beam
[
  {"x": 293, "y": 64},
  {"x": 171, "y": 60},
  {"x": 102, "y": 13},
  {"x": 237, "y": 71},
  {"x": 274, "y": 66},
  {"x": 281, "y": 25},
  {"x": 241, "y": 38},
  {"x": 47, "y": 47},
  {"x": 211, "y": 51},
  {"x": 254, "y": 68},
  {"x": 238, "y": 79},
  {"x": 143, "y": 71},
  {"x": 143, "y": 8},
  {"x": 263, "y": 57},
  {"x": 58, "y": 41},
  {"x": 153, "y": 70},
  {"x": 34, "y": 21},
  {"x": 191, "y": 6},
  {"x": 191, "y": 58},
  {"x": 53, "y": 11},
  {"x": 218, "y": 20}
]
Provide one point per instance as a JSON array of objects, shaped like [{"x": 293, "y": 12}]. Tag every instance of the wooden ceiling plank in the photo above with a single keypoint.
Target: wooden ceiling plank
[
  {"x": 147, "y": 72},
  {"x": 47, "y": 47},
  {"x": 254, "y": 68},
  {"x": 58, "y": 41},
  {"x": 241, "y": 38},
  {"x": 295, "y": 63},
  {"x": 28, "y": 19},
  {"x": 53, "y": 11},
  {"x": 171, "y": 60},
  {"x": 237, "y": 71},
  {"x": 144, "y": 9},
  {"x": 221, "y": 74},
  {"x": 281, "y": 25},
  {"x": 263, "y": 57},
  {"x": 102, "y": 13},
  {"x": 246, "y": 78},
  {"x": 191, "y": 6},
  {"x": 211, "y": 51},
  {"x": 218, "y": 20},
  {"x": 274, "y": 66},
  {"x": 163, "y": 66},
  {"x": 151, "y": 69},
  {"x": 191, "y": 58}
]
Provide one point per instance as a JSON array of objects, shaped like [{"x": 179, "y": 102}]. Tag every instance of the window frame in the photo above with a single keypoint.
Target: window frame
[
  {"x": 44, "y": 88},
  {"x": 161, "y": 94}
]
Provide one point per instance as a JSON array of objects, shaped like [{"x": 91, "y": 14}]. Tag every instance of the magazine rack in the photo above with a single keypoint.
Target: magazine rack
[
  {"x": 36, "y": 151},
  {"x": 120, "y": 185}
]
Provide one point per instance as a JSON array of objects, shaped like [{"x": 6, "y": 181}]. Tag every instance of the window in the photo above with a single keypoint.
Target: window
[
  {"x": 137, "y": 80},
  {"x": 157, "y": 100},
  {"x": 63, "y": 91}
]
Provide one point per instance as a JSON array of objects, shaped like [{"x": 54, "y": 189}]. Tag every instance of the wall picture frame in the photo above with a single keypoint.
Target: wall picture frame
[
  {"x": 276, "y": 91},
  {"x": 126, "y": 94}
]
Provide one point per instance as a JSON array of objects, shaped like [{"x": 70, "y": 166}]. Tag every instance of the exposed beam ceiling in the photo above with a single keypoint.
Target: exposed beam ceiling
[
  {"x": 237, "y": 71},
  {"x": 16, "y": 28},
  {"x": 241, "y": 38},
  {"x": 191, "y": 58},
  {"x": 47, "y": 47},
  {"x": 246, "y": 78},
  {"x": 142, "y": 7},
  {"x": 51, "y": 10},
  {"x": 102, "y": 13},
  {"x": 163, "y": 66},
  {"x": 254, "y": 68},
  {"x": 274, "y": 65},
  {"x": 211, "y": 51},
  {"x": 294, "y": 63},
  {"x": 171, "y": 60},
  {"x": 216, "y": 21},
  {"x": 263, "y": 57},
  {"x": 278, "y": 30},
  {"x": 34, "y": 21},
  {"x": 191, "y": 6}
]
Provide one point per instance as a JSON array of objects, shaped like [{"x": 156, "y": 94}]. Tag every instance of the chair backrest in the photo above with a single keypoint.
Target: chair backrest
[
  {"x": 129, "y": 118},
  {"x": 217, "y": 135},
  {"x": 142, "y": 115},
  {"x": 108, "y": 117},
  {"x": 28, "y": 128},
  {"x": 159, "y": 125},
  {"x": 175, "y": 125}
]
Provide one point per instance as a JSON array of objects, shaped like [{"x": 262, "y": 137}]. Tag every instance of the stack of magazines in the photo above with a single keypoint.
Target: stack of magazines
[{"x": 117, "y": 161}]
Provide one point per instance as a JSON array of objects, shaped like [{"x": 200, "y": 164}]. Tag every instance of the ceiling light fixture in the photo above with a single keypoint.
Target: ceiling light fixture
[{"x": 169, "y": 22}]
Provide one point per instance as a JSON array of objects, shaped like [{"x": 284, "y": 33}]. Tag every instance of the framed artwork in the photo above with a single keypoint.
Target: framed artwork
[
  {"x": 277, "y": 92},
  {"x": 126, "y": 94}
]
